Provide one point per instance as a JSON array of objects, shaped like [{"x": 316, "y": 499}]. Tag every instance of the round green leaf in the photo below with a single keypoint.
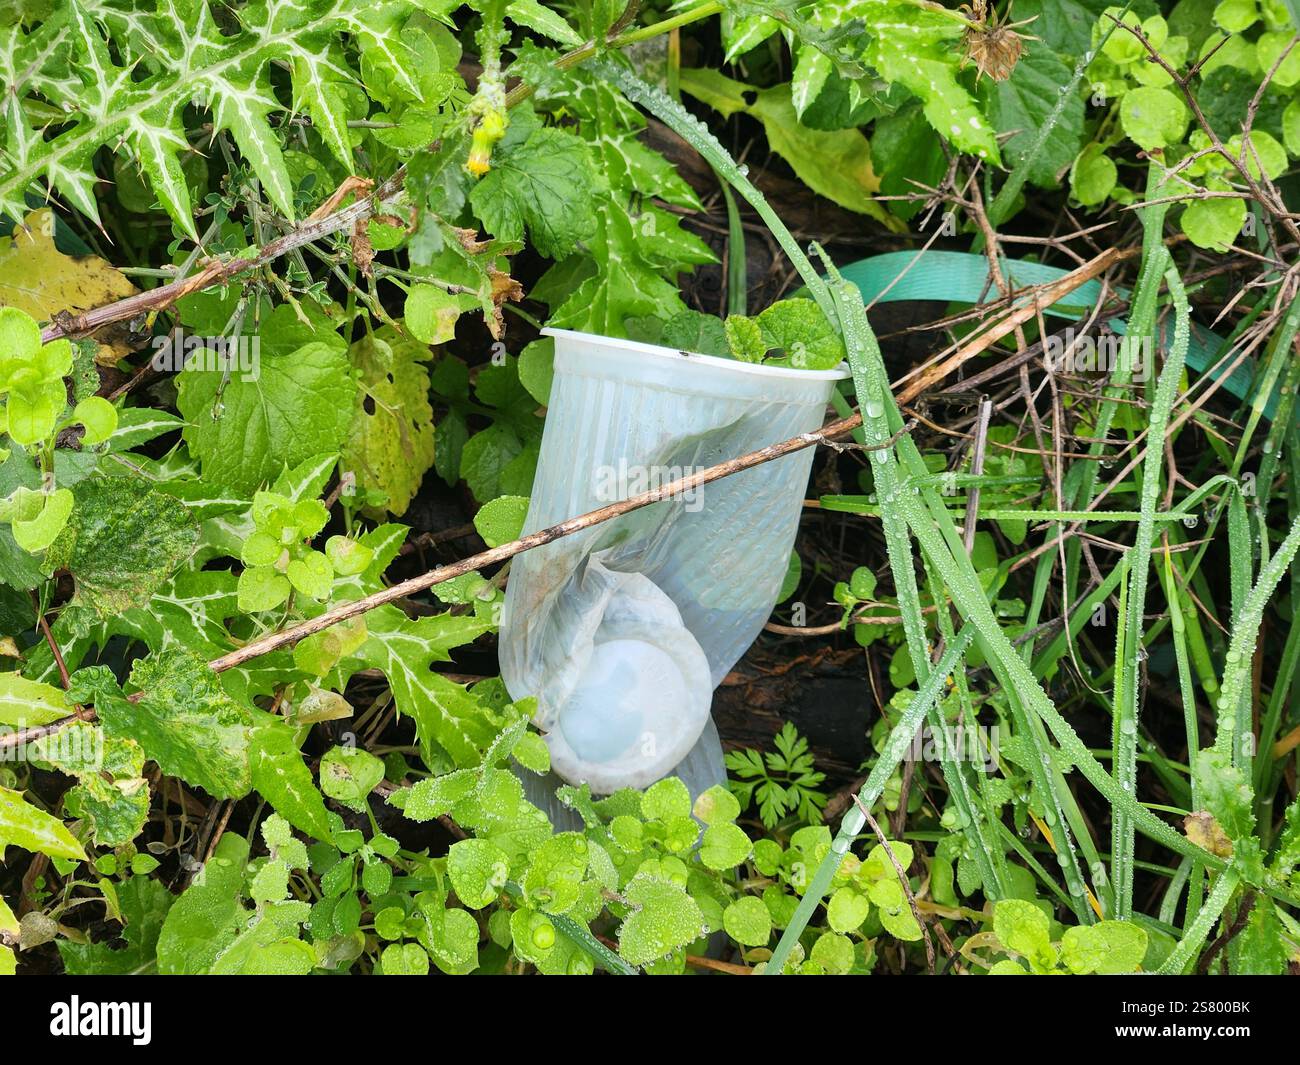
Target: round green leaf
[
  {"x": 478, "y": 871},
  {"x": 38, "y": 533},
  {"x": 260, "y": 549},
  {"x": 748, "y": 922},
  {"x": 1291, "y": 126},
  {"x": 405, "y": 959},
  {"x": 431, "y": 314},
  {"x": 347, "y": 556},
  {"x": 262, "y": 588},
  {"x": 99, "y": 417},
  {"x": 349, "y": 774},
  {"x": 1153, "y": 117},
  {"x": 1024, "y": 928},
  {"x": 20, "y": 337},
  {"x": 1121, "y": 45},
  {"x": 1214, "y": 224},
  {"x": 1092, "y": 176},
  {"x": 312, "y": 575},
  {"x": 1235, "y": 16},
  {"x": 724, "y": 846},
  {"x": 501, "y": 520},
  {"x": 1269, "y": 47},
  {"x": 1263, "y": 149},
  {"x": 833, "y": 953},
  {"x": 847, "y": 910},
  {"x": 1108, "y": 947},
  {"x": 716, "y": 806},
  {"x": 666, "y": 800}
]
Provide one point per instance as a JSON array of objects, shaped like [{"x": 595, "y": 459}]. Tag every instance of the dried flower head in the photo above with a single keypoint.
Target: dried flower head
[{"x": 993, "y": 46}]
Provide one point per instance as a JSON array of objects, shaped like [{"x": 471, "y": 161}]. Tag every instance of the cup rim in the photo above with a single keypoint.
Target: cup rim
[{"x": 638, "y": 347}]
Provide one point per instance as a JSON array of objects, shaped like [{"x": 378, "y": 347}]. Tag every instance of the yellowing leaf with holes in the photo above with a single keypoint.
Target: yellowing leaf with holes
[{"x": 389, "y": 445}]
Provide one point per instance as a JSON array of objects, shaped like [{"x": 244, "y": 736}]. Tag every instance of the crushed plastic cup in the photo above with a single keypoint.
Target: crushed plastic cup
[{"x": 622, "y": 631}]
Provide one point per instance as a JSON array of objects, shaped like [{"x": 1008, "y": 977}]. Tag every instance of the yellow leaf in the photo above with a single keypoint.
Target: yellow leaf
[{"x": 38, "y": 278}]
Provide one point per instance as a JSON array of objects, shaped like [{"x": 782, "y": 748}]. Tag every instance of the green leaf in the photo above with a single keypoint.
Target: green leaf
[
  {"x": 833, "y": 953},
  {"x": 1260, "y": 949},
  {"x": 431, "y": 314},
  {"x": 847, "y": 909},
  {"x": 26, "y": 703},
  {"x": 111, "y": 794},
  {"x": 349, "y": 774},
  {"x": 1093, "y": 176},
  {"x": 208, "y": 916},
  {"x": 1236, "y": 16},
  {"x": 532, "y": 753},
  {"x": 536, "y": 16},
  {"x": 35, "y": 533},
  {"x": 262, "y": 588},
  {"x": 916, "y": 48},
  {"x": 555, "y": 873},
  {"x": 1024, "y": 928},
  {"x": 280, "y": 776},
  {"x": 835, "y": 164},
  {"x": 298, "y": 406},
  {"x": 312, "y": 575},
  {"x": 1226, "y": 793},
  {"x": 20, "y": 340},
  {"x": 800, "y": 329},
  {"x": 1023, "y": 103},
  {"x": 24, "y": 825},
  {"x": 478, "y": 869},
  {"x": 99, "y": 417},
  {"x": 436, "y": 796},
  {"x": 184, "y": 720},
  {"x": 666, "y": 800},
  {"x": 1107, "y": 947},
  {"x": 716, "y": 806},
  {"x": 748, "y": 922},
  {"x": 724, "y": 846},
  {"x": 664, "y": 919},
  {"x": 193, "y": 58},
  {"x": 404, "y": 959},
  {"x": 1263, "y": 151},
  {"x": 695, "y": 331},
  {"x": 122, "y": 541},
  {"x": 1214, "y": 223},
  {"x": 501, "y": 520},
  {"x": 1153, "y": 117},
  {"x": 446, "y": 716},
  {"x": 547, "y": 184},
  {"x": 745, "y": 338}
]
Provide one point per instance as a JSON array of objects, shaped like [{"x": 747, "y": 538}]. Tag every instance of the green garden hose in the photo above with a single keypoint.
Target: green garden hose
[{"x": 963, "y": 277}]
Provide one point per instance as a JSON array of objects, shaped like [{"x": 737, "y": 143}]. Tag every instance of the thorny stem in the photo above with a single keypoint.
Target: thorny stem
[{"x": 326, "y": 223}]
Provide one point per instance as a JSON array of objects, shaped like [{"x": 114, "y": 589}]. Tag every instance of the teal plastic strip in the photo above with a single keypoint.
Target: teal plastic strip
[{"x": 963, "y": 277}]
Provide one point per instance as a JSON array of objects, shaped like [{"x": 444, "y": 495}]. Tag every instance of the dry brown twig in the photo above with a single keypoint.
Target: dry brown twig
[{"x": 403, "y": 589}]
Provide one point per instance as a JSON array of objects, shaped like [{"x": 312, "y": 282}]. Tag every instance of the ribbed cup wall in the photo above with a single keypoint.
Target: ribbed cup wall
[{"x": 618, "y": 406}]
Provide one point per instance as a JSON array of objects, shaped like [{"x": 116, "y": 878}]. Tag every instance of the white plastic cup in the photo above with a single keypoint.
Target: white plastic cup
[{"x": 623, "y": 630}]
